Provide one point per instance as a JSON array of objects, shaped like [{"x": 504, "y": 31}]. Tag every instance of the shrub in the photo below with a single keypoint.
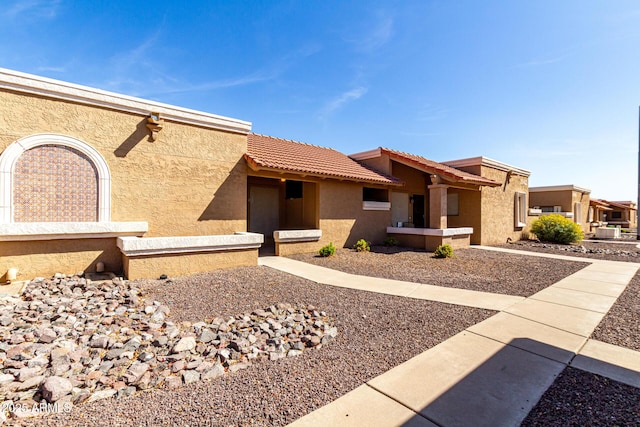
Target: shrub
[
  {"x": 327, "y": 250},
  {"x": 557, "y": 229},
  {"x": 444, "y": 251},
  {"x": 390, "y": 241},
  {"x": 362, "y": 246}
]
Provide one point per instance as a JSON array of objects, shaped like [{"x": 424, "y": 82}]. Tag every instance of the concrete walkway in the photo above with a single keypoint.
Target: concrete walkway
[
  {"x": 493, "y": 373},
  {"x": 332, "y": 277}
]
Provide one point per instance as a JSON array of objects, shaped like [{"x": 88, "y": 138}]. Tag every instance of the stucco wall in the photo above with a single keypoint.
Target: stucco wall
[
  {"x": 342, "y": 219},
  {"x": 191, "y": 181},
  {"x": 583, "y": 199},
  {"x": 468, "y": 212},
  {"x": 498, "y": 207},
  {"x": 188, "y": 263},
  {"x": 561, "y": 198},
  {"x": 46, "y": 257}
]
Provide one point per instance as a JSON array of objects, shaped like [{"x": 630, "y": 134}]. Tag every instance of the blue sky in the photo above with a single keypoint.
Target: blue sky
[{"x": 548, "y": 86}]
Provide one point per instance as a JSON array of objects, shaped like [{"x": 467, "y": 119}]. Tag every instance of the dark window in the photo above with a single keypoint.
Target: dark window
[
  {"x": 293, "y": 190},
  {"x": 616, "y": 215},
  {"x": 375, "y": 194}
]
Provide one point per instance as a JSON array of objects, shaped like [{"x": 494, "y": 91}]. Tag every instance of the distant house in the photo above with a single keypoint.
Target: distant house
[
  {"x": 569, "y": 201},
  {"x": 301, "y": 196},
  {"x": 92, "y": 180},
  {"x": 476, "y": 200},
  {"x": 623, "y": 213}
]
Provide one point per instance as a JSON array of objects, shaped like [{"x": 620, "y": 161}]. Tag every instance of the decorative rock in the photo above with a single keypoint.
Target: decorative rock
[
  {"x": 85, "y": 334},
  {"x": 215, "y": 372},
  {"x": 26, "y": 373},
  {"x": 190, "y": 376},
  {"x": 206, "y": 336},
  {"x": 185, "y": 344},
  {"x": 102, "y": 394},
  {"x": 54, "y": 388}
]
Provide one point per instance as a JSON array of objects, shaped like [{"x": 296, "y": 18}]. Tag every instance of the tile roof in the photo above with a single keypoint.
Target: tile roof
[
  {"x": 429, "y": 166},
  {"x": 620, "y": 205},
  {"x": 283, "y": 155}
]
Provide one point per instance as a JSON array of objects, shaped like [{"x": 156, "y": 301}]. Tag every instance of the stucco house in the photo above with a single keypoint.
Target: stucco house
[
  {"x": 90, "y": 178},
  {"x": 568, "y": 200},
  {"x": 306, "y": 196},
  {"x": 475, "y": 200},
  {"x": 617, "y": 213}
]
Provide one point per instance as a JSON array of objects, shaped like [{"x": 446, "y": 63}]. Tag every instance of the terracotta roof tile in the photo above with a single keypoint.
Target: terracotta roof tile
[
  {"x": 430, "y": 166},
  {"x": 266, "y": 152}
]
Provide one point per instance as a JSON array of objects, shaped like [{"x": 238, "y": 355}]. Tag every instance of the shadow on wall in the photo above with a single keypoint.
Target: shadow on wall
[
  {"x": 499, "y": 392},
  {"x": 46, "y": 257},
  {"x": 229, "y": 201},
  {"x": 134, "y": 139}
]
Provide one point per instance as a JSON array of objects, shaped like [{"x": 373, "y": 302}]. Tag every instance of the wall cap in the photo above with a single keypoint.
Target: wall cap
[
  {"x": 444, "y": 232},
  {"x": 135, "y": 246},
  {"x": 42, "y": 86},
  {"x": 485, "y": 161},
  {"x": 569, "y": 187},
  {"x": 291, "y": 236},
  {"x": 19, "y": 231}
]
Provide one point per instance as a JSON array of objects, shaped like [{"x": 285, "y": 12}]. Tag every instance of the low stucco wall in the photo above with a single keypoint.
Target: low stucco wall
[
  {"x": 152, "y": 266},
  {"x": 290, "y": 248},
  {"x": 47, "y": 257}
]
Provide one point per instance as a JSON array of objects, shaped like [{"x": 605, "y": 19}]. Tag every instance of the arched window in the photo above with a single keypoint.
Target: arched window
[{"x": 53, "y": 178}]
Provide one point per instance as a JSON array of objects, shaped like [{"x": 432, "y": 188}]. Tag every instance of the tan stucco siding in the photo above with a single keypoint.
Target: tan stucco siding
[
  {"x": 188, "y": 263},
  {"x": 468, "y": 213},
  {"x": 552, "y": 198},
  {"x": 46, "y": 257},
  {"x": 498, "y": 207},
  {"x": 190, "y": 181},
  {"x": 342, "y": 219}
]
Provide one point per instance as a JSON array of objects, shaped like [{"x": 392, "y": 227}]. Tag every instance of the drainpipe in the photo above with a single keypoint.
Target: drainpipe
[{"x": 638, "y": 199}]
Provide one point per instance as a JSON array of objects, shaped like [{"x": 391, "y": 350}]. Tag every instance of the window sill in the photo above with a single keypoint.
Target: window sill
[
  {"x": 22, "y": 231},
  {"x": 376, "y": 206}
]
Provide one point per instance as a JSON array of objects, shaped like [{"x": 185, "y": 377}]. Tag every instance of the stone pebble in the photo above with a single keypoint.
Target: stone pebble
[{"x": 70, "y": 340}]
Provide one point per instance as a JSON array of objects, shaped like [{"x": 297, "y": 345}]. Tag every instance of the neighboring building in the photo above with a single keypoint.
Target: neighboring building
[
  {"x": 623, "y": 213},
  {"x": 567, "y": 200},
  {"x": 84, "y": 173},
  {"x": 475, "y": 200},
  {"x": 91, "y": 179},
  {"x": 599, "y": 211},
  {"x": 500, "y": 213},
  {"x": 306, "y": 196}
]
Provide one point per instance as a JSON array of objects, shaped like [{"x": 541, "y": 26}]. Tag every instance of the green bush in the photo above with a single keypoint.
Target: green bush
[
  {"x": 327, "y": 250},
  {"x": 362, "y": 246},
  {"x": 390, "y": 241},
  {"x": 444, "y": 251},
  {"x": 557, "y": 229}
]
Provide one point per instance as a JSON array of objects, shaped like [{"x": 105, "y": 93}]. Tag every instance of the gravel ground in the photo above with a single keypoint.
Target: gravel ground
[
  {"x": 579, "y": 398},
  {"x": 552, "y": 248},
  {"x": 621, "y": 326},
  {"x": 376, "y": 333},
  {"x": 474, "y": 269}
]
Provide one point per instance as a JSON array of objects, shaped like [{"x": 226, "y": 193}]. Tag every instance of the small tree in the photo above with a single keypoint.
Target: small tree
[{"x": 557, "y": 229}]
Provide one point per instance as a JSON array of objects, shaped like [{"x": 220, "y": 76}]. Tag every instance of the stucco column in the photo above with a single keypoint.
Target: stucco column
[{"x": 438, "y": 206}]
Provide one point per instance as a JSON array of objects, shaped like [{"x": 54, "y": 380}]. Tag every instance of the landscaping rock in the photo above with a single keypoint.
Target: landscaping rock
[{"x": 55, "y": 388}]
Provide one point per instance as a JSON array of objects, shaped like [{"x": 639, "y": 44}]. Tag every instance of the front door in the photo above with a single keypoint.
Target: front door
[{"x": 418, "y": 210}]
